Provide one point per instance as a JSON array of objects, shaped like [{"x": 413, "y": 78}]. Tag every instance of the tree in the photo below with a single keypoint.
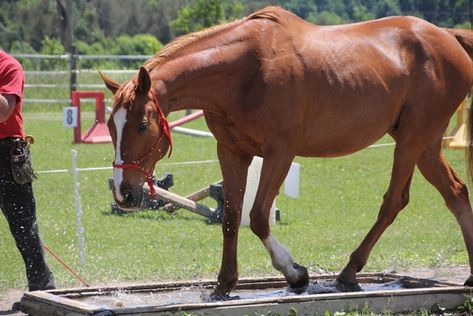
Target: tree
[
  {"x": 325, "y": 18},
  {"x": 52, "y": 46},
  {"x": 361, "y": 13},
  {"x": 201, "y": 14},
  {"x": 24, "y": 24},
  {"x": 140, "y": 44},
  {"x": 303, "y": 8},
  {"x": 387, "y": 8},
  {"x": 33, "y": 20}
]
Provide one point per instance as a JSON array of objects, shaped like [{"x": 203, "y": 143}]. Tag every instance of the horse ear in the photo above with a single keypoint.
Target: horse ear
[
  {"x": 144, "y": 81},
  {"x": 109, "y": 83}
]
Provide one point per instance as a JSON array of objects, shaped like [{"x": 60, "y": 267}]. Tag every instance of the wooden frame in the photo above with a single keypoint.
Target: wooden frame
[{"x": 416, "y": 294}]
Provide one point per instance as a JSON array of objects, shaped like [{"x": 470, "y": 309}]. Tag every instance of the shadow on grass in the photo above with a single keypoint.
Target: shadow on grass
[{"x": 159, "y": 215}]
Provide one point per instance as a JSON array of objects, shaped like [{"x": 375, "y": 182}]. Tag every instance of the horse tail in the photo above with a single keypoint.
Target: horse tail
[
  {"x": 469, "y": 140},
  {"x": 465, "y": 38}
]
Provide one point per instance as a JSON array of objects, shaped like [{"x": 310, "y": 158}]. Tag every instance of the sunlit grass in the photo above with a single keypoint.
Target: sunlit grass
[{"x": 339, "y": 202}]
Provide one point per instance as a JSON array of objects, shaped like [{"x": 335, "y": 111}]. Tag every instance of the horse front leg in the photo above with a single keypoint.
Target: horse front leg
[
  {"x": 234, "y": 171},
  {"x": 273, "y": 173}
]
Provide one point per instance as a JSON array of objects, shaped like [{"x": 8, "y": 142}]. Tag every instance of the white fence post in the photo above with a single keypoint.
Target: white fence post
[{"x": 80, "y": 228}]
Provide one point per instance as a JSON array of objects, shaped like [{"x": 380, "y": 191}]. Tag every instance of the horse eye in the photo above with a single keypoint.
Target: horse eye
[{"x": 143, "y": 126}]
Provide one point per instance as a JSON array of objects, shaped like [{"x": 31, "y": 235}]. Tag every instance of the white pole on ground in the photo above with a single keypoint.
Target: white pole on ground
[{"x": 80, "y": 228}]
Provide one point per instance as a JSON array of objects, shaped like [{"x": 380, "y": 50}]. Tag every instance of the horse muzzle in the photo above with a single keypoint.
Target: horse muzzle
[{"x": 129, "y": 198}]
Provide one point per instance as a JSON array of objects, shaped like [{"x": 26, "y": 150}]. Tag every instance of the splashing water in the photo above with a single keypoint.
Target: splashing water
[{"x": 196, "y": 295}]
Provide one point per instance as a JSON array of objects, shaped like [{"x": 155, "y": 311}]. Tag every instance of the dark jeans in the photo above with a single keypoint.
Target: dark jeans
[{"x": 19, "y": 207}]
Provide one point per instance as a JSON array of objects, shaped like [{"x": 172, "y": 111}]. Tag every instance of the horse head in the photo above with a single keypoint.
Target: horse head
[{"x": 140, "y": 135}]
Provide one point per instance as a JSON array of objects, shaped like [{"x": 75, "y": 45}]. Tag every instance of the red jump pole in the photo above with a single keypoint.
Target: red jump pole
[{"x": 186, "y": 119}]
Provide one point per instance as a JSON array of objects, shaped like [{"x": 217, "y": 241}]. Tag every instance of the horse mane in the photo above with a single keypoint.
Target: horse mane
[
  {"x": 126, "y": 93},
  {"x": 186, "y": 40},
  {"x": 272, "y": 13}
]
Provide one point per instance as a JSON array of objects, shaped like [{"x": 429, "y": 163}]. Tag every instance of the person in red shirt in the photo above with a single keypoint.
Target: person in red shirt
[{"x": 17, "y": 200}]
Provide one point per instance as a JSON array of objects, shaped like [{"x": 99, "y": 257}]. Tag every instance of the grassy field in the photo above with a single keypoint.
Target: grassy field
[{"x": 339, "y": 202}]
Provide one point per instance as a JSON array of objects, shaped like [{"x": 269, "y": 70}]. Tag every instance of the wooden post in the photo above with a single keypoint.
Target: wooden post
[
  {"x": 71, "y": 47},
  {"x": 458, "y": 134}
]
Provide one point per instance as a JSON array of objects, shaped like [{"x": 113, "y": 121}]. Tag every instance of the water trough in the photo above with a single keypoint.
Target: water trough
[{"x": 382, "y": 292}]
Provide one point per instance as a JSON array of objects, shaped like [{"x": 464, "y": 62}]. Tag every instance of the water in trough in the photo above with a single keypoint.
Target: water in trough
[{"x": 196, "y": 295}]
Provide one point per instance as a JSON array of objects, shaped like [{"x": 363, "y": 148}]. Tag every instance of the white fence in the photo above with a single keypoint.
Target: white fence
[{"x": 55, "y": 86}]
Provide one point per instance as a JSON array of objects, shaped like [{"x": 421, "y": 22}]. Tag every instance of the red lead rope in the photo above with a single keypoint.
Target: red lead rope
[{"x": 163, "y": 122}]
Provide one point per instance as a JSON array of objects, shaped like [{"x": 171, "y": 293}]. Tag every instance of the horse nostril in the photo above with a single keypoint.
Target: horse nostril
[{"x": 128, "y": 197}]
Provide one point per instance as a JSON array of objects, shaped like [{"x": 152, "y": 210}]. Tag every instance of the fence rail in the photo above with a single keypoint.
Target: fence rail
[
  {"x": 41, "y": 83},
  {"x": 83, "y": 57}
]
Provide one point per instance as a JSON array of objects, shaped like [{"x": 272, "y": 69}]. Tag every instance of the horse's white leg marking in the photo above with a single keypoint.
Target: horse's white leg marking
[
  {"x": 119, "y": 118},
  {"x": 281, "y": 258}
]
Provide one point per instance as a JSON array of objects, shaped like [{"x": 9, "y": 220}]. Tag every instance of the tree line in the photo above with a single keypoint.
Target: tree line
[{"x": 142, "y": 26}]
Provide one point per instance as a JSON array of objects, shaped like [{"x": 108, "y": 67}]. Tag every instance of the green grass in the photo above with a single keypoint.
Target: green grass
[{"x": 339, "y": 202}]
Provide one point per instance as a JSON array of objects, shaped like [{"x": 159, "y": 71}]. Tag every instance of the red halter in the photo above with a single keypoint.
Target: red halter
[{"x": 163, "y": 122}]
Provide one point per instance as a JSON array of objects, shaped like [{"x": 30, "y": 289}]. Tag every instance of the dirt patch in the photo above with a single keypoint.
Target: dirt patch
[
  {"x": 452, "y": 274},
  {"x": 7, "y": 299}
]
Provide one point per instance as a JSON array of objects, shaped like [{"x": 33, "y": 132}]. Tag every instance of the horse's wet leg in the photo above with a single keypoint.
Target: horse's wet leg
[
  {"x": 437, "y": 171},
  {"x": 296, "y": 275},
  {"x": 274, "y": 170},
  {"x": 234, "y": 171},
  {"x": 346, "y": 281},
  {"x": 228, "y": 276},
  {"x": 395, "y": 199}
]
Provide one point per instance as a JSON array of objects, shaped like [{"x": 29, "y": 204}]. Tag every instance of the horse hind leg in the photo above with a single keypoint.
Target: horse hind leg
[
  {"x": 437, "y": 171},
  {"x": 395, "y": 199}
]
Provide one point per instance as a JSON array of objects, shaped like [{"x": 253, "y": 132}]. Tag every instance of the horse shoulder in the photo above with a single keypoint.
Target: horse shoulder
[{"x": 230, "y": 133}]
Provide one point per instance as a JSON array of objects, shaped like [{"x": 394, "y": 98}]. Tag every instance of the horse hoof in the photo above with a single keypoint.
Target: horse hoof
[
  {"x": 296, "y": 290},
  {"x": 300, "y": 285},
  {"x": 469, "y": 281},
  {"x": 219, "y": 294},
  {"x": 214, "y": 297},
  {"x": 344, "y": 286}
]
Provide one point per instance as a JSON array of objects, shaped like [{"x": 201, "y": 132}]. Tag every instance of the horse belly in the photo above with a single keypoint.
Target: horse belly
[
  {"x": 339, "y": 135},
  {"x": 337, "y": 146}
]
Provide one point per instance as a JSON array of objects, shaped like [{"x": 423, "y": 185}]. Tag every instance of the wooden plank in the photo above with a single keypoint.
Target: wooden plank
[
  {"x": 61, "y": 302},
  {"x": 44, "y": 303},
  {"x": 245, "y": 284},
  {"x": 194, "y": 196},
  {"x": 394, "y": 301},
  {"x": 184, "y": 203},
  {"x": 378, "y": 305}
]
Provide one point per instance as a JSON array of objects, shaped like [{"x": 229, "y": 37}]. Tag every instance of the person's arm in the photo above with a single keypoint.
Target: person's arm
[{"x": 7, "y": 104}]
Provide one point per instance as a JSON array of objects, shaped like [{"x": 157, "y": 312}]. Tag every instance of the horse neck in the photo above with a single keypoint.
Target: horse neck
[{"x": 203, "y": 76}]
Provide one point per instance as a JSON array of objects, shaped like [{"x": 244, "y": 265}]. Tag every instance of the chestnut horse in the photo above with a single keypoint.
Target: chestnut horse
[{"x": 275, "y": 86}]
